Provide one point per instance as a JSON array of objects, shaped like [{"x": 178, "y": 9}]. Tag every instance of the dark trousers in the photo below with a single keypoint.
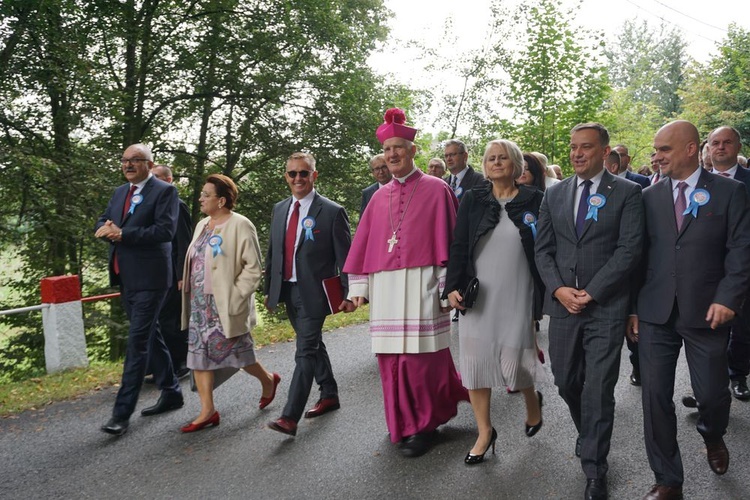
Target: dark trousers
[
  {"x": 311, "y": 360},
  {"x": 170, "y": 319},
  {"x": 585, "y": 354},
  {"x": 142, "y": 308},
  {"x": 705, "y": 351},
  {"x": 738, "y": 351},
  {"x": 634, "y": 358}
]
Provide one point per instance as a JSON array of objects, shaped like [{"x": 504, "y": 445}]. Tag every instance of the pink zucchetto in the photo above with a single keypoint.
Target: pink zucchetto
[{"x": 393, "y": 126}]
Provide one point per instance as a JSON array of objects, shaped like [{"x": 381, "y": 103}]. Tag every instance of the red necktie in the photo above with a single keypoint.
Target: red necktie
[
  {"x": 724, "y": 174},
  {"x": 125, "y": 209},
  {"x": 291, "y": 238},
  {"x": 126, "y": 206}
]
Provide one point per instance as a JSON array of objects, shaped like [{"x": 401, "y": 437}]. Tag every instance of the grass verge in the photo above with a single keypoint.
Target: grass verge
[{"x": 34, "y": 393}]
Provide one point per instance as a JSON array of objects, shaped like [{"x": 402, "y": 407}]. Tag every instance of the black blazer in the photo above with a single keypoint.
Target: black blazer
[
  {"x": 367, "y": 196},
  {"x": 145, "y": 253},
  {"x": 478, "y": 214},
  {"x": 743, "y": 175},
  {"x": 638, "y": 179},
  {"x": 182, "y": 238},
  {"x": 316, "y": 259},
  {"x": 707, "y": 262},
  {"x": 471, "y": 179}
]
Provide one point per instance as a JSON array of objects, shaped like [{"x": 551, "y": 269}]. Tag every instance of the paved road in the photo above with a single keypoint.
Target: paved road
[{"x": 59, "y": 452}]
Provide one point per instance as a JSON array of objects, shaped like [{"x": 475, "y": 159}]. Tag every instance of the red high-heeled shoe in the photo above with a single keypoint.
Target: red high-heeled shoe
[
  {"x": 267, "y": 401},
  {"x": 214, "y": 419}
]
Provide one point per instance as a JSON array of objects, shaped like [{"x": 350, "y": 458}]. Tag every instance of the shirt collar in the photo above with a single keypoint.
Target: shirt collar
[
  {"x": 140, "y": 185},
  {"x": 307, "y": 200},
  {"x": 691, "y": 181}
]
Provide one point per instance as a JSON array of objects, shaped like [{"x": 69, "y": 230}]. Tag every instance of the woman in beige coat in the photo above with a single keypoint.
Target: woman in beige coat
[{"x": 222, "y": 271}]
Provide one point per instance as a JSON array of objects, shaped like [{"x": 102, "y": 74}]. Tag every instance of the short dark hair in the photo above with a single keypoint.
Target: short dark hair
[
  {"x": 225, "y": 188},
  {"x": 601, "y": 129}
]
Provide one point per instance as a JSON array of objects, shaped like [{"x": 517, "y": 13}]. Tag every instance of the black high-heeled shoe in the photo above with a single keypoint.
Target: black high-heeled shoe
[
  {"x": 533, "y": 429},
  {"x": 478, "y": 459}
]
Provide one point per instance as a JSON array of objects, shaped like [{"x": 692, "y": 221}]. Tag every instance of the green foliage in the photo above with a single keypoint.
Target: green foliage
[
  {"x": 230, "y": 86},
  {"x": 718, "y": 93}
]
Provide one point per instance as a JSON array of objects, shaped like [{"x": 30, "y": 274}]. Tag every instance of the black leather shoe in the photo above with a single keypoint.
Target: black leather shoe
[
  {"x": 578, "y": 446},
  {"x": 478, "y": 459},
  {"x": 165, "y": 403},
  {"x": 416, "y": 445},
  {"x": 149, "y": 380},
  {"x": 596, "y": 489},
  {"x": 116, "y": 426},
  {"x": 740, "y": 390},
  {"x": 635, "y": 378},
  {"x": 689, "y": 402}
]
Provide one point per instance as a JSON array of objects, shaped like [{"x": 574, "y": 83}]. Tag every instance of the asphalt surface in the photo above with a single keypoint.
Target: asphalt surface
[{"x": 59, "y": 451}]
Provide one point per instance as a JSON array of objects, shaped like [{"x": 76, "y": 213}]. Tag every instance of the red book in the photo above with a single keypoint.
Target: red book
[{"x": 334, "y": 293}]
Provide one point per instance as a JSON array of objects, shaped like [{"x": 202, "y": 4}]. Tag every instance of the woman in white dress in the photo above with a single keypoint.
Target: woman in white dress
[{"x": 494, "y": 242}]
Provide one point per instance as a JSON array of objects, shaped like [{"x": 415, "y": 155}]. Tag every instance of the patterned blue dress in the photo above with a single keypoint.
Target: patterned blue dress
[{"x": 208, "y": 348}]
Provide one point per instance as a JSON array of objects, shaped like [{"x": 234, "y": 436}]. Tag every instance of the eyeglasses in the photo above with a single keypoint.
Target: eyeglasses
[
  {"x": 207, "y": 195},
  {"x": 125, "y": 161},
  {"x": 380, "y": 168},
  {"x": 452, "y": 155},
  {"x": 293, "y": 173}
]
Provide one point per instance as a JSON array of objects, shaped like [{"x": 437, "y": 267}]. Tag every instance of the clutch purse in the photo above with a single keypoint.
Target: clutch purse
[{"x": 470, "y": 294}]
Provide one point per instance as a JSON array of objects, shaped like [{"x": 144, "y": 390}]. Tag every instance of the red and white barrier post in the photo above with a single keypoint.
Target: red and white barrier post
[{"x": 64, "y": 339}]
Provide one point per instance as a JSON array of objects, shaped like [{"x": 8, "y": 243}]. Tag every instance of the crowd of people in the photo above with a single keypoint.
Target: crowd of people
[{"x": 662, "y": 260}]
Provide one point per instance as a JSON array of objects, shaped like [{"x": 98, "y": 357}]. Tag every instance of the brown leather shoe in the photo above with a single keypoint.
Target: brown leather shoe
[
  {"x": 661, "y": 492},
  {"x": 718, "y": 456},
  {"x": 322, "y": 407},
  {"x": 284, "y": 425}
]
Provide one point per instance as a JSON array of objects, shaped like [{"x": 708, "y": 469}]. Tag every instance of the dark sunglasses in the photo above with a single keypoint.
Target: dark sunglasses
[{"x": 293, "y": 173}]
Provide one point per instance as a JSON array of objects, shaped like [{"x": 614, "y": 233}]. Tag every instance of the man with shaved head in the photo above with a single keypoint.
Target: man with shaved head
[{"x": 695, "y": 276}]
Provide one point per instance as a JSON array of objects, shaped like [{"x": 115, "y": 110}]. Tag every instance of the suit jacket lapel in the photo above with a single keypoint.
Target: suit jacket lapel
[
  {"x": 313, "y": 212},
  {"x": 144, "y": 192},
  {"x": 705, "y": 181},
  {"x": 570, "y": 203},
  {"x": 606, "y": 187},
  {"x": 279, "y": 225}
]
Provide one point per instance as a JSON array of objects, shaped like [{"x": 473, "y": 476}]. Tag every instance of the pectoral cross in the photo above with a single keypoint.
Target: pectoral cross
[{"x": 392, "y": 242}]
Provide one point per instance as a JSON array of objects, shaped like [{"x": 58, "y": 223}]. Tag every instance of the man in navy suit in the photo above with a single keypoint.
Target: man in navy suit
[
  {"x": 462, "y": 177},
  {"x": 139, "y": 223},
  {"x": 309, "y": 242},
  {"x": 588, "y": 243},
  {"x": 624, "y": 171},
  {"x": 382, "y": 177},
  {"x": 725, "y": 144},
  {"x": 695, "y": 277}
]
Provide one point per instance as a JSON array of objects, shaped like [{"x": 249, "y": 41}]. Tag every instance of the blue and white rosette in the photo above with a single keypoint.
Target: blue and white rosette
[
  {"x": 698, "y": 198},
  {"x": 215, "y": 242},
  {"x": 308, "y": 224},
  {"x": 530, "y": 220},
  {"x": 595, "y": 202},
  {"x": 458, "y": 191},
  {"x": 136, "y": 200}
]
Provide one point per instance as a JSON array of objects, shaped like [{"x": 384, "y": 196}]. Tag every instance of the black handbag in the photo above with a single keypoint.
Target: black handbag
[{"x": 470, "y": 294}]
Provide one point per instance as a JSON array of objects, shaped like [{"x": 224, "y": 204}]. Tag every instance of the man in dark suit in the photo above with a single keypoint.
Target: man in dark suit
[
  {"x": 590, "y": 236},
  {"x": 309, "y": 242},
  {"x": 695, "y": 276},
  {"x": 140, "y": 223},
  {"x": 169, "y": 319},
  {"x": 382, "y": 177},
  {"x": 725, "y": 144},
  {"x": 462, "y": 177},
  {"x": 624, "y": 170}
]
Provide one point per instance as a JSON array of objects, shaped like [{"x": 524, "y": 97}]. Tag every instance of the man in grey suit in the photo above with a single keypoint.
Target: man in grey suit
[
  {"x": 382, "y": 177},
  {"x": 695, "y": 277},
  {"x": 590, "y": 237},
  {"x": 309, "y": 242}
]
